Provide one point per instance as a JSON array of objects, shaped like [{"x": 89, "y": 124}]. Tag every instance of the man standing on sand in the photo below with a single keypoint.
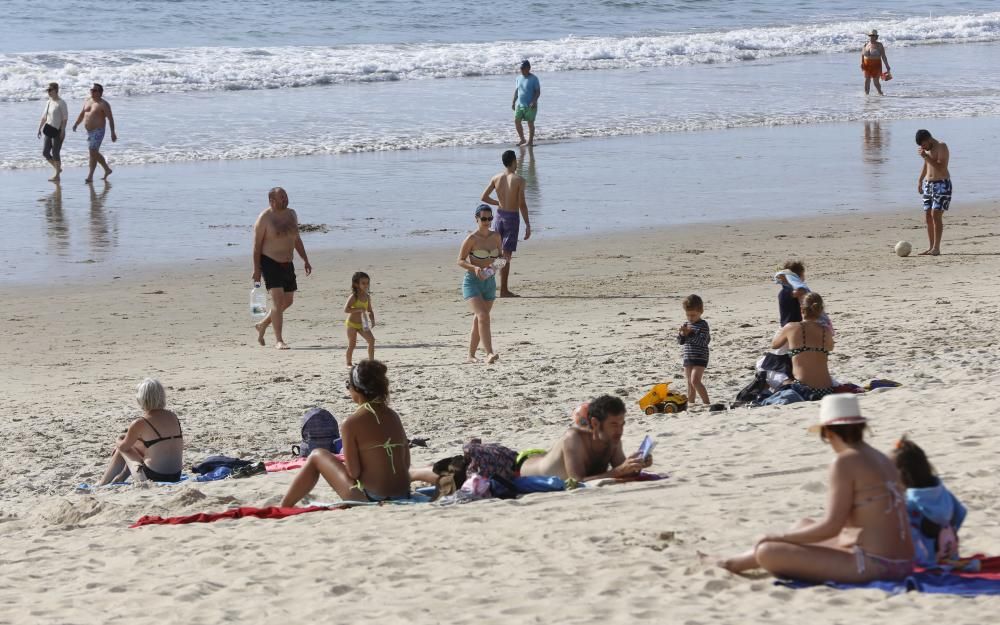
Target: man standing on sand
[
  {"x": 934, "y": 185},
  {"x": 275, "y": 239},
  {"x": 512, "y": 206},
  {"x": 525, "y": 104},
  {"x": 95, "y": 115},
  {"x": 53, "y": 125}
]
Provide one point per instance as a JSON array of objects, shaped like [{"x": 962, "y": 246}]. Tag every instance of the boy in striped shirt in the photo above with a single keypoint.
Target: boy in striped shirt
[{"x": 694, "y": 336}]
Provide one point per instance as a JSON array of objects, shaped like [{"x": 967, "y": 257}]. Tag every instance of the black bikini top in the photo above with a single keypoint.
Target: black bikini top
[{"x": 161, "y": 438}]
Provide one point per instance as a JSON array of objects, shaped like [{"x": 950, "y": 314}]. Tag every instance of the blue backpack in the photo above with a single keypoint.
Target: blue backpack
[{"x": 319, "y": 431}]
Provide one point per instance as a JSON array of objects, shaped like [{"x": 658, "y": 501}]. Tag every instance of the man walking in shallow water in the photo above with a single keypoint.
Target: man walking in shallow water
[
  {"x": 525, "y": 105},
  {"x": 275, "y": 240},
  {"x": 96, "y": 114}
]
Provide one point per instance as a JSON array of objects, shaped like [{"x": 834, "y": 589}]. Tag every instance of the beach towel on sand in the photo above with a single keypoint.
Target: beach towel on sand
[{"x": 985, "y": 581}]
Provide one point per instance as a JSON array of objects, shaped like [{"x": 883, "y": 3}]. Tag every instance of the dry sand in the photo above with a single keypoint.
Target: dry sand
[{"x": 599, "y": 316}]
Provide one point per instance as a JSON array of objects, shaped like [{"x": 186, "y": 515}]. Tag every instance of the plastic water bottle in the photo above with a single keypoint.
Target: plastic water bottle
[
  {"x": 258, "y": 302},
  {"x": 366, "y": 324},
  {"x": 497, "y": 265}
]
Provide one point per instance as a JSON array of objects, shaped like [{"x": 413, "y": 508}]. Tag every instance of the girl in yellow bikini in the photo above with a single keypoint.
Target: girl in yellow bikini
[{"x": 361, "y": 315}]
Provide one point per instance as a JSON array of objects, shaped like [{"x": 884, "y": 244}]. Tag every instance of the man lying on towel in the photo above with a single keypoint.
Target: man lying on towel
[{"x": 591, "y": 449}]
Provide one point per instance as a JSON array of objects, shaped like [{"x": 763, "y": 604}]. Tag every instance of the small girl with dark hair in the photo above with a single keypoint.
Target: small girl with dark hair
[
  {"x": 361, "y": 315},
  {"x": 935, "y": 514}
]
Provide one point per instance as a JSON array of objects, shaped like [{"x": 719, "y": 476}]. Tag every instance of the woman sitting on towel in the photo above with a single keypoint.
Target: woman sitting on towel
[
  {"x": 809, "y": 344},
  {"x": 865, "y": 533},
  {"x": 152, "y": 447},
  {"x": 376, "y": 464}
]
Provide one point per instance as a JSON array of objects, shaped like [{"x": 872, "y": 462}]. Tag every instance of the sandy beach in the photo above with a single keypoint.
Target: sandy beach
[{"x": 598, "y": 315}]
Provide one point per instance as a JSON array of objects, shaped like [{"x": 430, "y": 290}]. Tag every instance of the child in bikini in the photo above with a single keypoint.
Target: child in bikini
[
  {"x": 361, "y": 315},
  {"x": 935, "y": 514}
]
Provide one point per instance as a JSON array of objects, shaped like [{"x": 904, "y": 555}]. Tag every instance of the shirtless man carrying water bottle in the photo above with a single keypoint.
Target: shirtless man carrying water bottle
[{"x": 275, "y": 239}]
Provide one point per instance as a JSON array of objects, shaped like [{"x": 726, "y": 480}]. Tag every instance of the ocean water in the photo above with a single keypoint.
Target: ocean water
[
  {"x": 218, "y": 100},
  {"x": 227, "y": 79}
]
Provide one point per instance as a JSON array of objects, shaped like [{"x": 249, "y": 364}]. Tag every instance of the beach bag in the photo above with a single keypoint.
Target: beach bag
[
  {"x": 50, "y": 131},
  {"x": 489, "y": 460},
  {"x": 319, "y": 431},
  {"x": 779, "y": 363}
]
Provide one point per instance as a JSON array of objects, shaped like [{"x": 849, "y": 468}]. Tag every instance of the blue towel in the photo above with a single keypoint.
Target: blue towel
[{"x": 919, "y": 582}]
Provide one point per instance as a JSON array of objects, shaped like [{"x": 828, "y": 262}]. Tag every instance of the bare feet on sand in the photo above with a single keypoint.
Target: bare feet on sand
[
  {"x": 280, "y": 345},
  {"x": 492, "y": 358},
  {"x": 107, "y": 172},
  {"x": 521, "y": 142},
  {"x": 261, "y": 328},
  {"x": 508, "y": 294},
  {"x": 54, "y": 178},
  {"x": 471, "y": 359},
  {"x": 88, "y": 181}
]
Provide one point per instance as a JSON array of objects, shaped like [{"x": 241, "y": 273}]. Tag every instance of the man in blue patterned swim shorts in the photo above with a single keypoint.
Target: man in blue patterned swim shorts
[
  {"x": 934, "y": 185},
  {"x": 96, "y": 114}
]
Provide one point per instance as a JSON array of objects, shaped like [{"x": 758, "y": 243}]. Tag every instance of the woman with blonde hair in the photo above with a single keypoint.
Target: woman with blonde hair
[
  {"x": 152, "y": 447},
  {"x": 809, "y": 343}
]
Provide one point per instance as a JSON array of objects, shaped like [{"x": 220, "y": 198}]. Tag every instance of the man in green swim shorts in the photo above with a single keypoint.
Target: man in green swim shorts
[
  {"x": 591, "y": 449},
  {"x": 525, "y": 104}
]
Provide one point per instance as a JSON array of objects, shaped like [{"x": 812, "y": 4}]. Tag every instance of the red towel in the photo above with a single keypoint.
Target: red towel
[
  {"x": 272, "y": 512},
  {"x": 288, "y": 465}
]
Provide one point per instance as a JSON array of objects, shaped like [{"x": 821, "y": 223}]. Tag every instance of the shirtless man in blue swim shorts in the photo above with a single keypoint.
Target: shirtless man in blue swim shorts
[
  {"x": 96, "y": 114},
  {"x": 512, "y": 207},
  {"x": 934, "y": 185}
]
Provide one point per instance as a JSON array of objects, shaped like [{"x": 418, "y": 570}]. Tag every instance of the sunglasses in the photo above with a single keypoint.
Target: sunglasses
[{"x": 485, "y": 219}]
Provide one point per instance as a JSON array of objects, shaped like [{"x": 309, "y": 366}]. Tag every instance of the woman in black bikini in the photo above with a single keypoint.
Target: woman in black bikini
[
  {"x": 809, "y": 342},
  {"x": 153, "y": 446},
  {"x": 376, "y": 464}
]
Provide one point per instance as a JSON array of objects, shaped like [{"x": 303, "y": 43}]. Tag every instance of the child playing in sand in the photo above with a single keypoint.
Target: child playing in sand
[
  {"x": 361, "y": 315},
  {"x": 694, "y": 336},
  {"x": 935, "y": 514}
]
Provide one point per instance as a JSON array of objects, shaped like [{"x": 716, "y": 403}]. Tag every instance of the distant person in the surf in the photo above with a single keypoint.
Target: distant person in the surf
[
  {"x": 872, "y": 57},
  {"x": 525, "y": 103}
]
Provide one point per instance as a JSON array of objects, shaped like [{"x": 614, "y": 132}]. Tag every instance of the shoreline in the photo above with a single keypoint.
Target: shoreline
[{"x": 368, "y": 200}]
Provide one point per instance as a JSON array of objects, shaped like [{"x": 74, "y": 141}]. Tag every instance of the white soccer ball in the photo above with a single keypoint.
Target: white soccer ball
[{"x": 903, "y": 248}]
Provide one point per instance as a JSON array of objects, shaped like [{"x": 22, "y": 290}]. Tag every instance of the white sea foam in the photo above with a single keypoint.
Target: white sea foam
[{"x": 170, "y": 70}]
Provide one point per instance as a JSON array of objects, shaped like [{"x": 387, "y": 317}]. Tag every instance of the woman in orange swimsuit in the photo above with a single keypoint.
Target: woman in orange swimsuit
[
  {"x": 872, "y": 57},
  {"x": 865, "y": 533}
]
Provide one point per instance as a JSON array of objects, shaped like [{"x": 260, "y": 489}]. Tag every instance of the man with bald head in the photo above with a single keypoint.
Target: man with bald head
[{"x": 275, "y": 239}]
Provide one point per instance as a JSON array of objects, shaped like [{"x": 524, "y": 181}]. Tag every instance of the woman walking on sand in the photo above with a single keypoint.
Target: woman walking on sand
[{"x": 479, "y": 287}]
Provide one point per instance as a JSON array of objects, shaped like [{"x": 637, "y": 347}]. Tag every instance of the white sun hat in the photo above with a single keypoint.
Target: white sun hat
[{"x": 839, "y": 409}]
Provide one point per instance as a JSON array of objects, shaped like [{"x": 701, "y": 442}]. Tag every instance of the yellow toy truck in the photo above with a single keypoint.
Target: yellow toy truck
[{"x": 661, "y": 399}]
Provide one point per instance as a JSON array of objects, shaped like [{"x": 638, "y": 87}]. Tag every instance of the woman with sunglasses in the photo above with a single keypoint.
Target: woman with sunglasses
[
  {"x": 479, "y": 287},
  {"x": 376, "y": 464}
]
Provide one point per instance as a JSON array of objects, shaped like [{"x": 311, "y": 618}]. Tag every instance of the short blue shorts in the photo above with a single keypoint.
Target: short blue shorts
[
  {"x": 94, "y": 138},
  {"x": 474, "y": 287}
]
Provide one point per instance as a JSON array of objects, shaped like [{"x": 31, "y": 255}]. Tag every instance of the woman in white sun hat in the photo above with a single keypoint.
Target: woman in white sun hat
[{"x": 864, "y": 534}]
